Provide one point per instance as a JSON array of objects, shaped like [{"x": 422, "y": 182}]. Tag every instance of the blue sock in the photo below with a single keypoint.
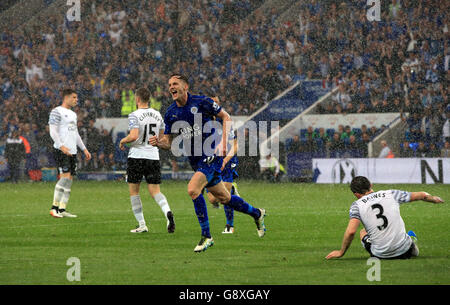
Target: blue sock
[
  {"x": 240, "y": 205},
  {"x": 202, "y": 214},
  {"x": 229, "y": 214}
]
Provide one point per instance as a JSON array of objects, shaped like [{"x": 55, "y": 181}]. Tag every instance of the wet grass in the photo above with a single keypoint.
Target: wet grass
[{"x": 304, "y": 223}]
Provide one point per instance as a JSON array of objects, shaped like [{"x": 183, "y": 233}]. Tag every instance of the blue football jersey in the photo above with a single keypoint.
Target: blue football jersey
[{"x": 189, "y": 122}]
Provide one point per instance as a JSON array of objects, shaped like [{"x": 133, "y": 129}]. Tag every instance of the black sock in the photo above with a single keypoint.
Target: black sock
[{"x": 54, "y": 207}]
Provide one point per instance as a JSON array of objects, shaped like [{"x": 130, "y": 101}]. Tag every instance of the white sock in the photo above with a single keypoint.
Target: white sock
[
  {"x": 59, "y": 191},
  {"x": 161, "y": 200},
  {"x": 136, "y": 206},
  {"x": 65, "y": 197}
]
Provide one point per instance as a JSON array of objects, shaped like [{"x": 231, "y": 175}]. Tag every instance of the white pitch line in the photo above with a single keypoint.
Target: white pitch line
[
  {"x": 60, "y": 224},
  {"x": 94, "y": 212},
  {"x": 83, "y": 223}
]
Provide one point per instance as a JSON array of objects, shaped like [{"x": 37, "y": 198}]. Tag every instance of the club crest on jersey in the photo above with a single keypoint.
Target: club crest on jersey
[
  {"x": 72, "y": 126},
  {"x": 194, "y": 110}
]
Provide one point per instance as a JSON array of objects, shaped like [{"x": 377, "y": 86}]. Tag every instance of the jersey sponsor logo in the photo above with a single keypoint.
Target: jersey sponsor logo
[
  {"x": 189, "y": 132},
  {"x": 72, "y": 126}
]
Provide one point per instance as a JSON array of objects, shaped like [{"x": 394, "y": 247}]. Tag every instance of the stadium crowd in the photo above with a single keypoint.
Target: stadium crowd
[
  {"x": 400, "y": 64},
  {"x": 397, "y": 64}
]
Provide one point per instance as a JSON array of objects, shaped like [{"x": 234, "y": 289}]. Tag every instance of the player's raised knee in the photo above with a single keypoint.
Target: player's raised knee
[{"x": 193, "y": 192}]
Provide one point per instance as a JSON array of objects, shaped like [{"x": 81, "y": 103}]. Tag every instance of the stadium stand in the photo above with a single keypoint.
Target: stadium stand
[{"x": 246, "y": 51}]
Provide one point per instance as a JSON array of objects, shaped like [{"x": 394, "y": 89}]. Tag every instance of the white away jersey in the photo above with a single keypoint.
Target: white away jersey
[
  {"x": 379, "y": 212},
  {"x": 149, "y": 122},
  {"x": 66, "y": 120}
]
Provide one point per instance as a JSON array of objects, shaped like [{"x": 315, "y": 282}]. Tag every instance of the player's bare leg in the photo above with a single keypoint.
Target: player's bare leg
[
  {"x": 213, "y": 200},
  {"x": 229, "y": 212}
]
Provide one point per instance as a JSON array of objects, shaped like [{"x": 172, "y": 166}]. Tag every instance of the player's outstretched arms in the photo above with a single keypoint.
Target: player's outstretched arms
[{"x": 424, "y": 196}]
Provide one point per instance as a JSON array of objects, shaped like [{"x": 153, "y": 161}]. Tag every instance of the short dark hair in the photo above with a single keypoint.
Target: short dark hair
[
  {"x": 180, "y": 76},
  {"x": 360, "y": 185},
  {"x": 68, "y": 91},
  {"x": 144, "y": 94}
]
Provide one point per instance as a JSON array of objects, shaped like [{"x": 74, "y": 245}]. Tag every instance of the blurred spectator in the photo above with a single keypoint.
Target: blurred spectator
[
  {"x": 414, "y": 126},
  {"x": 433, "y": 151},
  {"x": 105, "y": 110},
  {"x": 364, "y": 129},
  {"x": 347, "y": 133},
  {"x": 445, "y": 151},
  {"x": 31, "y": 156},
  {"x": 336, "y": 146},
  {"x": 385, "y": 152},
  {"x": 422, "y": 150},
  {"x": 406, "y": 151},
  {"x": 341, "y": 99},
  {"x": 14, "y": 155},
  {"x": 365, "y": 140},
  {"x": 310, "y": 144},
  {"x": 353, "y": 147},
  {"x": 94, "y": 143},
  {"x": 431, "y": 127},
  {"x": 295, "y": 145},
  {"x": 322, "y": 136},
  {"x": 446, "y": 127},
  {"x": 45, "y": 143},
  {"x": 106, "y": 152}
]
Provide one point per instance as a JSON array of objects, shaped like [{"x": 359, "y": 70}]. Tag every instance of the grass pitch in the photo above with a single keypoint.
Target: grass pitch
[{"x": 304, "y": 223}]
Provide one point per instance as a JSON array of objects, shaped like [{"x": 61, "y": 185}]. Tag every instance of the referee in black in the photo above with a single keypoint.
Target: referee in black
[{"x": 14, "y": 154}]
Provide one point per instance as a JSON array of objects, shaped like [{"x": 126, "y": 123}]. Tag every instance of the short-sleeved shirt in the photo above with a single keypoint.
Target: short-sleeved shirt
[
  {"x": 149, "y": 122},
  {"x": 379, "y": 213},
  {"x": 189, "y": 121}
]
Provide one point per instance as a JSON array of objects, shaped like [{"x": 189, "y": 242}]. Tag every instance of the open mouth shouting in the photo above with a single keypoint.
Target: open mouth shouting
[
  {"x": 175, "y": 94},
  {"x": 178, "y": 89}
]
